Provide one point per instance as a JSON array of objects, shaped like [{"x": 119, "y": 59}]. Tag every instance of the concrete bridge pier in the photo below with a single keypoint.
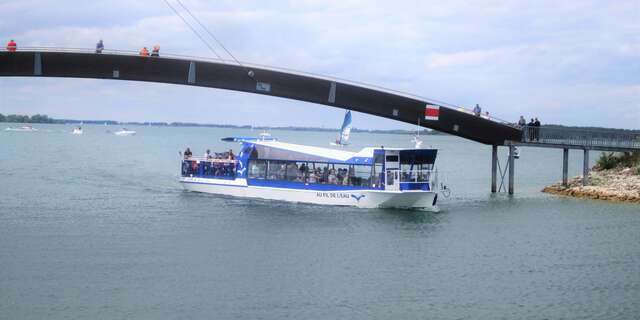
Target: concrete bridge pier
[
  {"x": 512, "y": 150},
  {"x": 494, "y": 168},
  {"x": 585, "y": 168},
  {"x": 565, "y": 167}
]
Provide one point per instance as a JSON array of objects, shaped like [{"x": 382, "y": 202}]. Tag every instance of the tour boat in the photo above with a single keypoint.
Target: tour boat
[
  {"x": 22, "y": 129},
  {"x": 125, "y": 132},
  {"x": 374, "y": 177}
]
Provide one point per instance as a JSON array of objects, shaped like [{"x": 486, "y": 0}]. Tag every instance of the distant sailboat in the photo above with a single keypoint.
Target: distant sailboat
[
  {"x": 417, "y": 141},
  {"x": 345, "y": 131}
]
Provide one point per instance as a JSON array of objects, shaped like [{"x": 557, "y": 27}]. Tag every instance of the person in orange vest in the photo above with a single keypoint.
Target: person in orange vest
[
  {"x": 144, "y": 52},
  {"x": 12, "y": 46}
]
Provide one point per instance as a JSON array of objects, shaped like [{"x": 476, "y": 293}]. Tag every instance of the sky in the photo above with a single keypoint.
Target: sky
[{"x": 565, "y": 62}]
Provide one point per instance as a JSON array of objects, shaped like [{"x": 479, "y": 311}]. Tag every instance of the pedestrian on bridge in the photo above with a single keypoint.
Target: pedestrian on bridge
[
  {"x": 530, "y": 128},
  {"x": 144, "y": 52},
  {"x": 99, "y": 46},
  {"x": 12, "y": 46},
  {"x": 477, "y": 110},
  {"x": 522, "y": 122}
]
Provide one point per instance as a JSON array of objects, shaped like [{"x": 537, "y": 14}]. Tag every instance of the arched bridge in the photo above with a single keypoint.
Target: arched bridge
[{"x": 119, "y": 65}]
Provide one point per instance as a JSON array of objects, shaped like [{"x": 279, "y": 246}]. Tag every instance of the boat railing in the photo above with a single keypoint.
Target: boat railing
[{"x": 212, "y": 160}]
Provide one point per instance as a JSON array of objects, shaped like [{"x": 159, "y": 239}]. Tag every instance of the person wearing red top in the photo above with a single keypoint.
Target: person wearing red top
[
  {"x": 12, "y": 46},
  {"x": 144, "y": 52}
]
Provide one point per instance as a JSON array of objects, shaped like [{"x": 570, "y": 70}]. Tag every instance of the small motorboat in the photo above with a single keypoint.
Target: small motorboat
[
  {"x": 125, "y": 132},
  {"x": 77, "y": 131},
  {"x": 22, "y": 129}
]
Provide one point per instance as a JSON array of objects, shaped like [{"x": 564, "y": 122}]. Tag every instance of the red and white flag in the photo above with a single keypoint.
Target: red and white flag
[{"x": 431, "y": 112}]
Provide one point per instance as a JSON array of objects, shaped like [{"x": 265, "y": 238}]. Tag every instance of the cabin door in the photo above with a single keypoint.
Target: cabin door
[{"x": 392, "y": 170}]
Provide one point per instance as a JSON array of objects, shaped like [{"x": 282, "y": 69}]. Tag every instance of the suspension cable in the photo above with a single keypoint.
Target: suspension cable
[
  {"x": 194, "y": 30},
  {"x": 209, "y": 32}
]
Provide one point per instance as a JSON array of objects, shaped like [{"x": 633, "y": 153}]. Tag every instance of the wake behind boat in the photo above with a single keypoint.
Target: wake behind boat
[
  {"x": 270, "y": 169},
  {"x": 21, "y": 129}
]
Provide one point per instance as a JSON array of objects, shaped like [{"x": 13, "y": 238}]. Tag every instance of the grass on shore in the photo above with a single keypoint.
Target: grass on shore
[{"x": 616, "y": 160}]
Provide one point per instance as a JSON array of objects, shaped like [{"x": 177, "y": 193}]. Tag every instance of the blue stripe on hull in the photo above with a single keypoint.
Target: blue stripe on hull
[
  {"x": 303, "y": 186},
  {"x": 213, "y": 184}
]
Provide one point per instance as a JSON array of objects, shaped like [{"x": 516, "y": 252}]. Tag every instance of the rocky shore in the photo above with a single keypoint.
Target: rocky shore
[{"x": 622, "y": 185}]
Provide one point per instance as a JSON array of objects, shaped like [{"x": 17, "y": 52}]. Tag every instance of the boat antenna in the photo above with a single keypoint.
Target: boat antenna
[{"x": 193, "y": 29}]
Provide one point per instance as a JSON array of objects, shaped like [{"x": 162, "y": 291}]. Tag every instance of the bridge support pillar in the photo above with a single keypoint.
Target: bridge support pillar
[
  {"x": 494, "y": 168},
  {"x": 565, "y": 166},
  {"x": 512, "y": 150},
  {"x": 585, "y": 168}
]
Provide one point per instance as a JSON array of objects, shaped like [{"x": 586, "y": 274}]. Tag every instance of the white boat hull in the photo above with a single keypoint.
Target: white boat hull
[
  {"x": 364, "y": 198},
  {"x": 23, "y": 129},
  {"x": 125, "y": 133}
]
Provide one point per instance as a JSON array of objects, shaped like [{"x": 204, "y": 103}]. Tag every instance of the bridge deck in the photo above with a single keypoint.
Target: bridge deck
[{"x": 258, "y": 80}]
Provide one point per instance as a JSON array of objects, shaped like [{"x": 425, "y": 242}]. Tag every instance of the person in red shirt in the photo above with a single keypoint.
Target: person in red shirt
[
  {"x": 144, "y": 52},
  {"x": 12, "y": 46}
]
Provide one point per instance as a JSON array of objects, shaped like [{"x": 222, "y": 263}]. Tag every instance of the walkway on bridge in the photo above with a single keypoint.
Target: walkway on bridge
[{"x": 614, "y": 140}]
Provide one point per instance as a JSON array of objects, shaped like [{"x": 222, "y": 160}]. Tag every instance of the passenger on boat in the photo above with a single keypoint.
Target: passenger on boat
[
  {"x": 156, "y": 51},
  {"x": 144, "y": 52},
  {"x": 207, "y": 154},
  {"x": 187, "y": 153},
  {"x": 292, "y": 171},
  {"x": 312, "y": 177},
  {"x": 345, "y": 180},
  {"x": 231, "y": 156},
  {"x": 331, "y": 178}
]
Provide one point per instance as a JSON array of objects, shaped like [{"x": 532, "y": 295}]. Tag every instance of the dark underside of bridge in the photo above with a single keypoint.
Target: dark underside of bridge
[{"x": 264, "y": 81}]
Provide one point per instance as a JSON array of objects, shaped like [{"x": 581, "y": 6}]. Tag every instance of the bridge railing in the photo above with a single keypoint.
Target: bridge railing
[
  {"x": 271, "y": 68},
  {"x": 587, "y": 138}
]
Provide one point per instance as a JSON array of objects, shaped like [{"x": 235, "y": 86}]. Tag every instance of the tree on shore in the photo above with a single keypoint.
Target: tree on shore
[
  {"x": 36, "y": 118},
  {"x": 611, "y": 160}
]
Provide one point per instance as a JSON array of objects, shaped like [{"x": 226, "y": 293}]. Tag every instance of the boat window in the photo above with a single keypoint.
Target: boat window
[
  {"x": 276, "y": 170},
  {"x": 313, "y": 172},
  {"x": 361, "y": 175},
  {"x": 377, "y": 174},
  {"x": 257, "y": 169},
  {"x": 392, "y": 158}
]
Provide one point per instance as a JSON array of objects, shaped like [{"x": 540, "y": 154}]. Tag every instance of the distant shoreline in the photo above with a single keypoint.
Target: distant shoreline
[{"x": 208, "y": 125}]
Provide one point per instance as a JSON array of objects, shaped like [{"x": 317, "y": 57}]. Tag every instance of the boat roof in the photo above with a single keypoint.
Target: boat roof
[
  {"x": 333, "y": 154},
  {"x": 278, "y": 150}
]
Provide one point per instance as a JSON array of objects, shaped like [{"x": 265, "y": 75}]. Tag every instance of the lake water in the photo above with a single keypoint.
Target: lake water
[{"x": 97, "y": 227}]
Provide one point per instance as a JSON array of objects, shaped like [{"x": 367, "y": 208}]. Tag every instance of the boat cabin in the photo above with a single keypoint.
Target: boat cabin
[{"x": 271, "y": 163}]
